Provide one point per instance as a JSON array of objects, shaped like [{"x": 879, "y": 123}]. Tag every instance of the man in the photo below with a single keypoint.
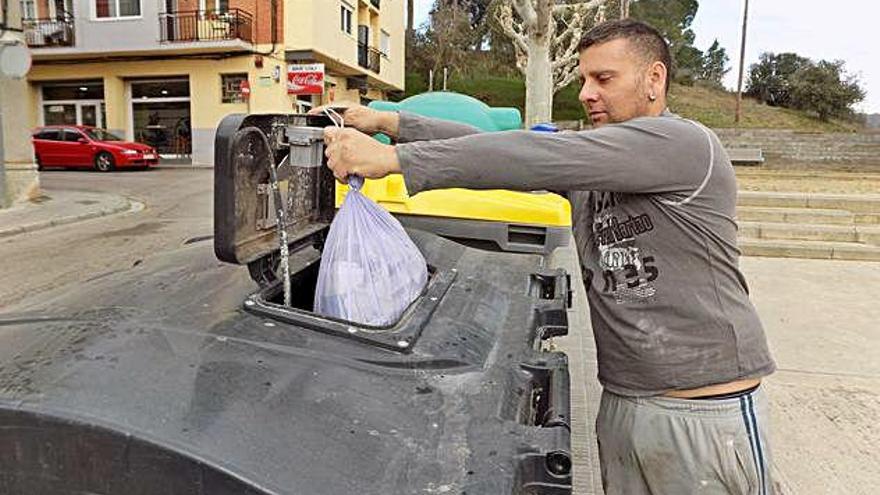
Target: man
[{"x": 681, "y": 350}]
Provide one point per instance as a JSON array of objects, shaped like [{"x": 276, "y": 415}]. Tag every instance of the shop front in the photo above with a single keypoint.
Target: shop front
[
  {"x": 73, "y": 103},
  {"x": 160, "y": 115}
]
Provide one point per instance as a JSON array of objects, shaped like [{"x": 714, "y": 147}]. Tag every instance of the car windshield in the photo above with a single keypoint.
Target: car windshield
[{"x": 101, "y": 135}]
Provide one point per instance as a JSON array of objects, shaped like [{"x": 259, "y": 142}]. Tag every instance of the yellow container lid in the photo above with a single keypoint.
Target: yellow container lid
[{"x": 495, "y": 205}]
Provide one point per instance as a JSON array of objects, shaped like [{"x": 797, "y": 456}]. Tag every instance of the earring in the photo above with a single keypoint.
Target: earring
[{"x": 652, "y": 97}]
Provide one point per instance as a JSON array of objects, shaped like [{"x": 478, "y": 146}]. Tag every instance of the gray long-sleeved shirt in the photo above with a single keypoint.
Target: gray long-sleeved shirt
[{"x": 653, "y": 205}]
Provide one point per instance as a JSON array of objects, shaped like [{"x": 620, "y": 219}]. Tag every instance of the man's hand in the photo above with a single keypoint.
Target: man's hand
[
  {"x": 350, "y": 152},
  {"x": 366, "y": 119}
]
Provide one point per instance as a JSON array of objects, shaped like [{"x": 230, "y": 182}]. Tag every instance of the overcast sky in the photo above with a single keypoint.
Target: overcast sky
[{"x": 836, "y": 30}]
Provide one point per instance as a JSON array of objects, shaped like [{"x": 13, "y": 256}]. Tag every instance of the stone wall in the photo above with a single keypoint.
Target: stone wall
[
  {"x": 781, "y": 145},
  {"x": 786, "y": 145}
]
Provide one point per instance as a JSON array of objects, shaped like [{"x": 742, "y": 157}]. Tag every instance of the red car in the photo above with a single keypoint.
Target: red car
[{"x": 82, "y": 146}]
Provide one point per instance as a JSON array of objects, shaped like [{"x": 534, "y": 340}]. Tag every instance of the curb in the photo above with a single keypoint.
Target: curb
[
  {"x": 125, "y": 205},
  {"x": 182, "y": 167}
]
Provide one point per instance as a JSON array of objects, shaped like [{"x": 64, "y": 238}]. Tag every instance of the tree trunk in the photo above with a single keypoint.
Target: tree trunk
[{"x": 539, "y": 83}]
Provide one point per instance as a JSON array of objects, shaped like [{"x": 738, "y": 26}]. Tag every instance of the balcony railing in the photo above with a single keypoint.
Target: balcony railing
[
  {"x": 369, "y": 58},
  {"x": 206, "y": 25},
  {"x": 46, "y": 32},
  {"x": 375, "y": 3}
]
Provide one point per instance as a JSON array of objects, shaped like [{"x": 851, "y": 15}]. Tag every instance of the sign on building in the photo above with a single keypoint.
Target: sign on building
[{"x": 305, "y": 79}]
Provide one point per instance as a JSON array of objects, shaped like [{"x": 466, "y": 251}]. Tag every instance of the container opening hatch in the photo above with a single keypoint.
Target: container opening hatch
[{"x": 247, "y": 194}]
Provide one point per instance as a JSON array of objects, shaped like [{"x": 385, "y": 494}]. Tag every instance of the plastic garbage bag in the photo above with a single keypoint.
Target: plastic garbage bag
[{"x": 371, "y": 271}]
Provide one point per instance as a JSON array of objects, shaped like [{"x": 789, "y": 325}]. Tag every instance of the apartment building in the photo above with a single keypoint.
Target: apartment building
[{"x": 165, "y": 72}]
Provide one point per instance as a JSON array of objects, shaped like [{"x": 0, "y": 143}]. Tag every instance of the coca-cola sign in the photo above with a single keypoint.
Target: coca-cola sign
[{"x": 305, "y": 79}]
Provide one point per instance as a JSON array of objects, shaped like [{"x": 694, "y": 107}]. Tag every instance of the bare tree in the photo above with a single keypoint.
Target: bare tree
[
  {"x": 545, "y": 35},
  {"x": 449, "y": 36}
]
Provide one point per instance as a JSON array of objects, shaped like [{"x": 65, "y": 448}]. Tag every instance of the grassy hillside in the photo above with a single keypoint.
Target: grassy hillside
[{"x": 712, "y": 107}]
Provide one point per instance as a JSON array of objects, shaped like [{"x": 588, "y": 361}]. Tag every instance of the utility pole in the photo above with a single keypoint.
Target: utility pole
[{"x": 742, "y": 59}]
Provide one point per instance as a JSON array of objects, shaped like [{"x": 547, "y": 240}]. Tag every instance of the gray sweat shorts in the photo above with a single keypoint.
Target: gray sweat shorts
[{"x": 668, "y": 446}]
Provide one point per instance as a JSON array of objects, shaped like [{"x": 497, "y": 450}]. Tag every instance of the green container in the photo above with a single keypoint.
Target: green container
[{"x": 458, "y": 108}]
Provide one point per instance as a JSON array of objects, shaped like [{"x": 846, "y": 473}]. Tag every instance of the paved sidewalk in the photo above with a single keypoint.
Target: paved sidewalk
[{"x": 59, "y": 208}]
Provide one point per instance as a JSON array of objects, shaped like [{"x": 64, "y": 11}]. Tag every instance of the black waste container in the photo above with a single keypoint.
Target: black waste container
[{"x": 188, "y": 375}]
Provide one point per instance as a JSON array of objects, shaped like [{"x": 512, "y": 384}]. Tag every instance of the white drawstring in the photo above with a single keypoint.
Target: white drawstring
[
  {"x": 333, "y": 115},
  {"x": 356, "y": 182}
]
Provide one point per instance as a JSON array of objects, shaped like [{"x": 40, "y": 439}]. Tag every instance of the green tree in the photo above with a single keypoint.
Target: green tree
[
  {"x": 770, "y": 79},
  {"x": 714, "y": 64},
  {"x": 826, "y": 89},
  {"x": 673, "y": 18}
]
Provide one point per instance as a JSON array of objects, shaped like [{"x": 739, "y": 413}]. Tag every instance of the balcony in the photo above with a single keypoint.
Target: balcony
[
  {"x": 369, "y": 58},
  {"x": 46, "y": 32},
  {"x": 206, "y": 25}
]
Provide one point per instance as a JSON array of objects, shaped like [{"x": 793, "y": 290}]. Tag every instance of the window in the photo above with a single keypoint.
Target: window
[
  {"x": 168, "y": 88},
  {"x": 345, "y": 15},
  {"x": 72, "y": 135},
  {"x": 49, "y": 135},
  {"x": 214, "y": 6},
  {"x": 385, "y": 44},
  {"x": 28, "y": 9},
  {"x": 231, "y": 88},
  {"x": 101, "y": 135},
  {"x": 60, "y": 114},
  {"x": 83, "y": 90},
  {"x": 303, "y": 103},
  {"x": 108, "y": 9}
]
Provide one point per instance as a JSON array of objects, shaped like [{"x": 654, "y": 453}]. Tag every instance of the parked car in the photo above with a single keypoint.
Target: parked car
[{"x": 83, "y": 146}]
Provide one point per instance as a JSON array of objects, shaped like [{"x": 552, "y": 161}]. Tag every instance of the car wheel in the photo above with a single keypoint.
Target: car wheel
[
  {"x": 39, "y": 162},
  {"x": 104, "y": 162}
]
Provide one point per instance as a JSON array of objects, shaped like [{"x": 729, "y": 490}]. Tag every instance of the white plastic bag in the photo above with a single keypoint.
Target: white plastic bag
[{"x": 371, "y": 271}]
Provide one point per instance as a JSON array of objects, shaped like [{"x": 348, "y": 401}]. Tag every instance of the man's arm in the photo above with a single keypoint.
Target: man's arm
[
  {"x": 413, "y": 127},
  {"x": 646, "y": 155},
  {"x": 402, "y": 127}
]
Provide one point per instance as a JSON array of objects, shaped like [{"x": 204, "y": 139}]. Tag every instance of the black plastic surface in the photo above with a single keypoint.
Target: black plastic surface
[
  {"x": 241, "y": 193},
  {"x": 155, "y": 380},
  {"x": 181, "y": 376}
]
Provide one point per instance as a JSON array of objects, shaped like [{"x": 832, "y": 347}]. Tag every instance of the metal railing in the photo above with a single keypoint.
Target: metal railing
[
  {"x": 369, "y": 58},
  {"x": 206, "y": 25},
  {"x": 47, "y": 32}
]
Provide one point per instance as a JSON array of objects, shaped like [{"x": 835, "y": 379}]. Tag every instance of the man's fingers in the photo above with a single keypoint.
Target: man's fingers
[
  {"x": 330, "y": 134},
  {"x": 341, "y": 177}
]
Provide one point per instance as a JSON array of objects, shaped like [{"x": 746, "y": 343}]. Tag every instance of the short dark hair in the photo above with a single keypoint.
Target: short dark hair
[{"x": 644, "y": 39}]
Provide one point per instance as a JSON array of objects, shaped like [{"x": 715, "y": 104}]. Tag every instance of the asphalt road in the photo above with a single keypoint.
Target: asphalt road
[{"x": 178, "y": 206}]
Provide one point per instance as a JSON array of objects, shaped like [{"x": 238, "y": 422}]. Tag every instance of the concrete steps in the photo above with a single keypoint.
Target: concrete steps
[
  {"x": 794, "y": 215},
  {"x": 864, "y": 234},
  {"x": 801, "y": 225},
  {"x": 809, "y": 249},
  {"x": 856, "y": 203}
]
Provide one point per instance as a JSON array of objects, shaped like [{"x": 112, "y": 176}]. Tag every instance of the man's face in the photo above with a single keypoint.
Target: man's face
[{"x": 615, "y": 87}]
